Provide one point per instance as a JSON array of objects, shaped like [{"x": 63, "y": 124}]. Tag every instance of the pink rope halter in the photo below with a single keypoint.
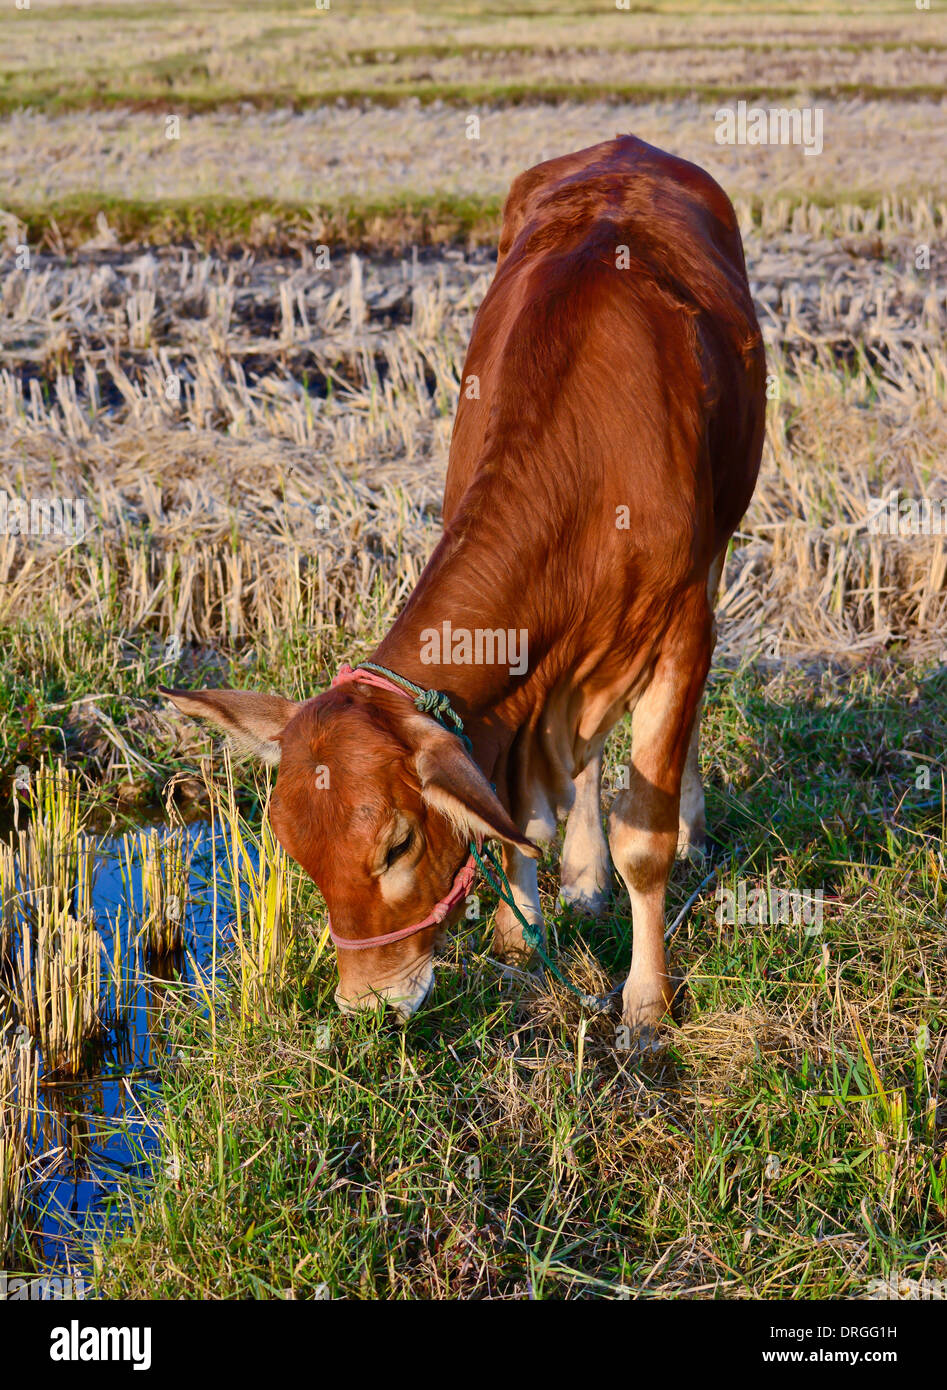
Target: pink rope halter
[{"x": 463, "y": 879}]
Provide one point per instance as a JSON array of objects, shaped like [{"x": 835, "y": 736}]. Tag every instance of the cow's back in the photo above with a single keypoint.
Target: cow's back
[{"x": 615, "y": 377}]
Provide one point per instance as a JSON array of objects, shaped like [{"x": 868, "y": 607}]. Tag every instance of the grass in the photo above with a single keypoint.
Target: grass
[
  {"x": 397, "y": 224},
  {"x": 380, "y": 161},
  {"x": 161, "y": 861},
  {"x": 59, "y": 971},
  {"x": 789, "y": 1144},
  {"x": 64, "y": 981},
  {"x": 72, "y": 974},
  {"x": 225, "y": 224},
  {"x": 56, "y": 993},
  {"x": 263, "y": 889},
  {"x": 18, "y": 1082}
]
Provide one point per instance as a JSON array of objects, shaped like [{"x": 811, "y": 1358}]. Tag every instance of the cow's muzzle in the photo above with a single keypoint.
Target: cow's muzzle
[{"x": 405, "y": 996}]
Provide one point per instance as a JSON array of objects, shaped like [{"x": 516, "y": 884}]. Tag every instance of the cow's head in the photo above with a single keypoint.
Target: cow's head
[{"x": 378, "y": 804}]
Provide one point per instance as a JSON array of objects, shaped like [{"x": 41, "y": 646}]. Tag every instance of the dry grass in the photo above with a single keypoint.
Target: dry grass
[
  {"x": 263, "y": 887},
  {"x": 18, "y": 1078},
  {"x": 161, "y": 862},
  {"x": 46, "y": 873},
  {"x": 296, "y": 480},
  {"x": 333, "y": 158},
  {"x": 59, "y": 971}
]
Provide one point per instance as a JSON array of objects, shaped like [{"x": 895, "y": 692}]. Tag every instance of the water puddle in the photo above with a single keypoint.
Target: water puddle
[{"x": 90, "y": 1130}]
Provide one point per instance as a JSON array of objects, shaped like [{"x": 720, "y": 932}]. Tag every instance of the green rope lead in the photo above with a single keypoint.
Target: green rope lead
[{"x": 533, "y": 933}]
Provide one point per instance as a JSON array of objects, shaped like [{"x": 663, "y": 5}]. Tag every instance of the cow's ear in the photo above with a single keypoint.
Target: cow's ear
[
  {"x": 252, "y": 721},
  {"x": 452, "y": 783}
]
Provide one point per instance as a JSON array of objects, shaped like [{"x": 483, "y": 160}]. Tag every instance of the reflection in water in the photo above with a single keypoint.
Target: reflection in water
[{"x": 91, "y": 1129}]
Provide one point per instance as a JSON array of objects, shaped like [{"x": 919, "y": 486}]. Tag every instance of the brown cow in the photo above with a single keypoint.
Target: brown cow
[{"x": 596, "y": 475}]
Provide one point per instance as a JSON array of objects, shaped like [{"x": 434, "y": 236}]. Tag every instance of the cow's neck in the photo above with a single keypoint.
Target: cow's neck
[{"x": 470, "y": 586}]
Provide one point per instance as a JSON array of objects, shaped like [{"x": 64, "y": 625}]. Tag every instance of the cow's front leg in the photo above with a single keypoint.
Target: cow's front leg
[
  {"x": 508, "y": 942},
  {"x": 586, "y": 870},
  {"x": 643, "y": 823}
]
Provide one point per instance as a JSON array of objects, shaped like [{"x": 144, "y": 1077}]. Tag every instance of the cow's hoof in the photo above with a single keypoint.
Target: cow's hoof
[
  {"x": 645, "y": 1007},
  {"x": 642, "y": 1042},
  {"x": 692, "y": 848},
  {"x": 590, "y": 902},
  {"x": 516, "y": 954}
]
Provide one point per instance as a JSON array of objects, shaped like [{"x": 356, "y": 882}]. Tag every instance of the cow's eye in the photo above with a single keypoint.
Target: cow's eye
[{"x": 398, "y": 850}]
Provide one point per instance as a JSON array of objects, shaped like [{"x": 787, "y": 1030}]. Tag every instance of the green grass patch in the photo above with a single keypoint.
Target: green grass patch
[
  {"x": 233, "y": 222},
  {"x": 371, "y": 224},
  {"x": 789, "y": 1144}
]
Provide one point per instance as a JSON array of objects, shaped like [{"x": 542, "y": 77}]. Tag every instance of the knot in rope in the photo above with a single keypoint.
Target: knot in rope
[
  {"x": 432, "y": 702},
  {"x": 436, "y": 702}
]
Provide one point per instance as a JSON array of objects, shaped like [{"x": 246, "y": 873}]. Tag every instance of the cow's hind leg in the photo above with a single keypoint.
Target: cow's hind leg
[
  {"x": 586, "y": 868},
  {"x": 692, "y": 819},
  {"x": 643, "y": 824}
]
